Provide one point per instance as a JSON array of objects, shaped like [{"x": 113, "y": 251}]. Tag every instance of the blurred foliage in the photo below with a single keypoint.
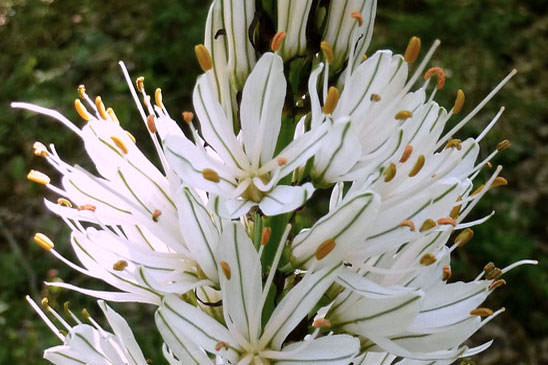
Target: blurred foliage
[{"x": 49, "y": 47}]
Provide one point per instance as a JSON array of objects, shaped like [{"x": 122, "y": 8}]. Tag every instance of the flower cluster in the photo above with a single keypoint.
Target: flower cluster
[{"x": 289, "y": 106}]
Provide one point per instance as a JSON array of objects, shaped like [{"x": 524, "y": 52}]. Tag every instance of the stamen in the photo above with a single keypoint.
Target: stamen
[
  {"x": 221, "y": 345},
  {"x": 459, "y": 102},
  {"x": 151, "y": 125},
  {"x": 327, "y": 52},
  {"x": 450, "y": 221},
  {"x": 455, "y": 211},
  {"x": 140, "y": 84},
  {"x": 39, "y": 149},
  {"x": 503, "y": 145},
  {"x": 481, "y": 312},
  {"x": 493, "y": 274},
  {"x": 499, "y": 181},
  {"x": 375, "y": 97},
  {"x": 331, "y": 100},
  {"x": 85, "y": 314},
  {"x": 427, "y": 224},
  {"x": 324, "y": 249},
  {"x": 131, "y": 137},
  {"x": 418, "y": 166},
  {"x": 446, "y": 275},
  {"x": 81, "y": 110},
  {"x": 120, "y": 144},
  {"x": 43, "y": 241},
  {"x": 188, "y": 117},
  {"x": 321, "y": 323},
  {"x": 226, "y": 269},
  {"x": 203, "y": 56},
  {"x": 158, "y": 98},
  {"x": 281, "y": 161},
  {"x": 406, "y": 153},
  {"x": 437, "y": 71},
  {"x": 82, "y": 91},
  {"x": 101, "y": 108},
  {"x": 408, "y": 223},
  {"x": 519, "y": 263},
  {"x": 497, "y": 283},
  {"x": 427, "y": 259},
  {"x": 413, "y": 50},
  {"x": 112, "y": 115},
  {"x": 390, "y": 173},
  {"x": 89, "y": 207},
  {"x": 119, "y": 265},
  {"x": 454, "y": 143},
  {"x": 277, "y": 40},
  {"x": 464, "y": 237},
  {"x": 358, "y": 16},
  {"x": 490, "y": 125},
  {"x": 65, "y": 202},
  {"x": 156, "y": 214},
  {"x": 211, "y": 175},
  {"x": 403, "y": 115},
  {"x": 38, "y": 177},
  {"x": 45, "y": 318},
  {"x": 364, "y": 58},
  {"x": 265, "y": 236}
]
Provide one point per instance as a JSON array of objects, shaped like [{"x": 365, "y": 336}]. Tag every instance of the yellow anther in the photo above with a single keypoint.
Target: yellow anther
[
  {"x": 158, "y": 97},
  {"x": 45, "y": 303},
  {"x": 120, "y": 144},
  {"x": 418, "y": 166},
  {"x": 478, "y": 190},
  {"x": 489, "y": 165},
  {"x": 493, "y": 274},
  {"x": 119, "y": 265},
  {"x": 455, "y": 211},
  {"x": 64, "y": 202},
  {"x": 331, "y": 100},
  {"x": 277, "y": 40},
  {"x": 499, "y": 181},
  {"x": 211, "y": 175},
  {"x": 39, "y": 149},
  {"x": 406, "y": 153},
  {"x": 322, "y": 323},
  {"x": 113, "y": 116},
  {"x": 325, "y": 248},
  {"x": 459, "y": 102},
  {"x": 265, "y": 236},
  {"x": 413, "y": 50},
  {"x": 488, "y": 267},
  {"x": 390, "y": 173},
  {"x": 464, "y": 237},
  {"x": 497, "y": 283},
  {"x": 89, "y": 207},
  {"x": 85, "y": 314},
  {"x": 446, "y": 273},
  {"x": 151, "y": 124},
  {"x": 327, "y": 52},
  {"x": 364, "y": 58},
  {"x": 438, "y": 71},
  {"x": 408, "y": 223},
  {"x": 481, "y": 312},
  {"x": 82, "y": 91},
  {"x": 221, "y": 345},
  {"x": 403, "y": 115},
  {"x": 203, "y": 56},
  {"x": 447, "y": 221},
  {"x": 358, "y": 16},
  {"x": 226, "y": 269},
  {"x": 454, "y": 143},
  {"x": 43, "y": 241},
  {"x": 427, "y": 259},
  {"x": 375, "y": 97},
  {"x": 188, "y": 117},
  {"x": 131, "y": 137},
  {"x": 38, "y": 177},
  {"x": 156, "y": 214},
  {"x": 101, "y": 108},
  {"x": 140, "y": 83},
  {"x": 427, "y": 224},
  {"x": 281, "y": 160},
  {"x": 503, "y": 145},
  {"x": 81, "y": 110}
]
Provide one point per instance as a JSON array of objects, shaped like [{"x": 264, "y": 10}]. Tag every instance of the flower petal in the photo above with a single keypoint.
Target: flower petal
[{"x": 285, "y": 198}]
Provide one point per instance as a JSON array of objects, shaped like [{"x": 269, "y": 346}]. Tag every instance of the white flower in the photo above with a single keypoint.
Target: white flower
[{"x": 244, "y": 169}]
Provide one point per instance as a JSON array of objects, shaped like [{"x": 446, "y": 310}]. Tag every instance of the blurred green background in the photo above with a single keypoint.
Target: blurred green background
[{"x": 48, "y": 47}]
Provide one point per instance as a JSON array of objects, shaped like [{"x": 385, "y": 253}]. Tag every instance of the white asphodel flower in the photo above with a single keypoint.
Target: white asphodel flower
[
  {"x": 193, "y": 336},
  {"x": 244, "y": 169},
  {"x": 90, "y": 343}
]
